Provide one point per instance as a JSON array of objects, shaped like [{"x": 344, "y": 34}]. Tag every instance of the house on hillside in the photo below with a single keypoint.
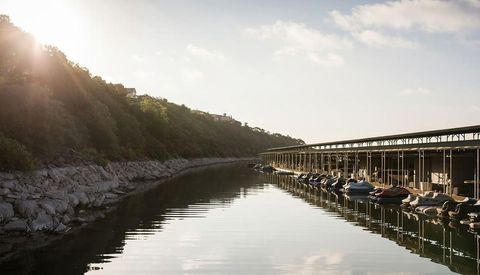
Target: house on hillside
[
  {"x": 224, "y": 118},
  {"x": 131, "y": 92}
]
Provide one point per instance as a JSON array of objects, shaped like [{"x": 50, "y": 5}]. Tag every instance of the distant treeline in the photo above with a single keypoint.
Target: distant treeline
[{"x": 50, "y": 106}]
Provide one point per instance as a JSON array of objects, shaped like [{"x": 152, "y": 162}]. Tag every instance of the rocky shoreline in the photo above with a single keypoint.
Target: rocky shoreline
[{"x": 45, "y": 204}]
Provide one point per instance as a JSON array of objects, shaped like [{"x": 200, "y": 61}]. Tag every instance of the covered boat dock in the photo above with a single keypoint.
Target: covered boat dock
[{"x": 446, "y": 160}]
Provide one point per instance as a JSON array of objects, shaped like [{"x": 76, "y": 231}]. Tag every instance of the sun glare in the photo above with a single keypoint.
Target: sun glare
[{"x": 51, "y": 22}]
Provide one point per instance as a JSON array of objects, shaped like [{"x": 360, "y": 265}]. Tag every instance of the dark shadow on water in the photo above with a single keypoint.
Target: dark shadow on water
[{"x": 144, "y": 212}]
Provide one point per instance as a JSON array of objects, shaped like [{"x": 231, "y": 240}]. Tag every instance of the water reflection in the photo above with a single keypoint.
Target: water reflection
[
  {"x": 138, "y": 218},
  {"x": 230, "y": 219},
  {"x": 442, "y": 242}
]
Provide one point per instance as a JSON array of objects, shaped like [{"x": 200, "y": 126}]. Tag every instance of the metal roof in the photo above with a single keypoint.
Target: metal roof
[{"x": 424, "y": 134}]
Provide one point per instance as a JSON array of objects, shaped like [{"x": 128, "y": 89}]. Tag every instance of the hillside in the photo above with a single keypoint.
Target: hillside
[{"x": 52, "y": 109}]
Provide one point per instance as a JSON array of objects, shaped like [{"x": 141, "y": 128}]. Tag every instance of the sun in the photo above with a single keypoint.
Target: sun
[{"x": 52, "y": 22}]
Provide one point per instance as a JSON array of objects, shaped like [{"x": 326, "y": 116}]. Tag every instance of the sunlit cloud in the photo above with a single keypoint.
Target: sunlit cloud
[
  {"x": 376, "y": 39},
  {"x": 368, "y": 23},
  {"x": 297, "y": 39},
  {"x": 329, "y": 60},
  {"x": 425, "y": 15},
  {"x": 205, "y": 54}
]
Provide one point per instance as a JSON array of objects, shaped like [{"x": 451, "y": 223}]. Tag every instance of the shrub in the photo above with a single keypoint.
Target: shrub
[{"x": 14, "y": 156}]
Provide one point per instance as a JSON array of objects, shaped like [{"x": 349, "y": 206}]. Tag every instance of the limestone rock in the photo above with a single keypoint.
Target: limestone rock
[
  {"x": 48, "y": 206},
  {"x": 110, "y": 196},
  {"x": 73, "y": 200},
  {"x": 56, "y": 195},
  {"x": 4, "y": 191},
  {"x": 6, "y": 212},
  {"x": 66, "y": 219},
  {"x": 10, "y": 184},
  {"x": 98, "y": 201},
  {"x": 60, "y": 228},
  {"x": 42, "y": 222},
  {"x": 82, "y": 198},
  {"x": 27, "y": 209},
  {"x": 61, "y": 206},
  {"x": 6, "y": 176}
]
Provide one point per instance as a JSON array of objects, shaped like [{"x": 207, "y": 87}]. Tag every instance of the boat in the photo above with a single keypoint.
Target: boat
[
  {"x": 430, "y": 199},
  {"x": 393, "y": 195},
  {"x": 267, "y": 169},
  {"x": 358, "y": 187}
]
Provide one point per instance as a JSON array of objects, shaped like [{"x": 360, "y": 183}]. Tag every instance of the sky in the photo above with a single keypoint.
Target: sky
[{"x": 316, "y": 70}]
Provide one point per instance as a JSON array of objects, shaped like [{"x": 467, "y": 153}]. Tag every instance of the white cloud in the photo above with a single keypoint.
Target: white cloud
[
  {"x": 416, "y": 92},
  {"x": 137, "y": 58},
  {"x": 329, "y": 60},
  {"x": 475, "y": 3},
  {"x": 425, "y": 15},
  {"x": 376, "y": 39},
  {"x": 205, "y": 54},
  {"x": 193, "y": 75},
  {"x": 298, "y": 39}
]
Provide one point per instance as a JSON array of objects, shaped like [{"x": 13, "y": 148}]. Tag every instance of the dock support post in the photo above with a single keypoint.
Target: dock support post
[
  {"x": 398, "y": 168},
  {"x": 321, "y": 163},
  {"x": 355, "y": 166},
  {"x": 346, "y": 165},
  {"x": 478, "y": 174},
  {"x": 310, "y": 168},
  {"x": 382, "y": 169},
  {"x": 451, "y": 173},
  {"x": 336, "y": 163},
  {"x": 404, "y": 177},
  {"x": 369, "y": 157},
  {"x": 444, "y": 177},
  {"x": 419, "y": 169},
  {"x": 329, "y": 164}
]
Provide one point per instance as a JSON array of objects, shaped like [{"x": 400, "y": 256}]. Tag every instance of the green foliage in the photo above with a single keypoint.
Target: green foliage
[
  {"x": 51, "y": 105},
  {"x": 14, "y": 156},
  {"x": 93, "y": 155}
]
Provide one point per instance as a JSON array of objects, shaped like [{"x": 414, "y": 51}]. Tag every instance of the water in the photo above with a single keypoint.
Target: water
[{"x": 231, "y": 220}]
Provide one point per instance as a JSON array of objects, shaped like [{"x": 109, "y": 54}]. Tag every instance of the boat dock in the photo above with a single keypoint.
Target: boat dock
[{"x": 446, "y": 160}]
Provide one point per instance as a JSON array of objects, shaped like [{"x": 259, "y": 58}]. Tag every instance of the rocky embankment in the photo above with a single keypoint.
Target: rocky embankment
[{"x": 57, "y": 199}]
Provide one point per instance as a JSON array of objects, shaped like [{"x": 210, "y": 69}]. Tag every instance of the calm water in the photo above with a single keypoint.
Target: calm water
[{"x": 230, "y": 220}]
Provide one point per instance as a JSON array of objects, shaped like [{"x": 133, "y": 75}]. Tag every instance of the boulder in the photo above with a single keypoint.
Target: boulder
[
  {"x": 60, "y": 206},
  {"x": 6, "y": 176},
  {"x": 42, "y": 222},
  {"x": 17, "y": 225},
  {"x": 111, "y": 196},
  {"x": 66, "y": 219},
  {"x": 61, "y": 195},
  {"x": 6, "y": 212},
  {"x": 27, "y": 209},
  {"x": 10, "y": 184},
  {"x": 98, "y": 201},
  {"x": 82, "y": 198},
  {"x": 61, "y": 228},
  {"x": 73, "y": 200},
  {"x": 4, "y": 191},
  {"x": 48, "y": 206},
  {"x": 53, "y": 175}
]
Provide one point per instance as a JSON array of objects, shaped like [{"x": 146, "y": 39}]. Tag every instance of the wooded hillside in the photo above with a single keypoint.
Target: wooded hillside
[{"x": 50, "y": 106}]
